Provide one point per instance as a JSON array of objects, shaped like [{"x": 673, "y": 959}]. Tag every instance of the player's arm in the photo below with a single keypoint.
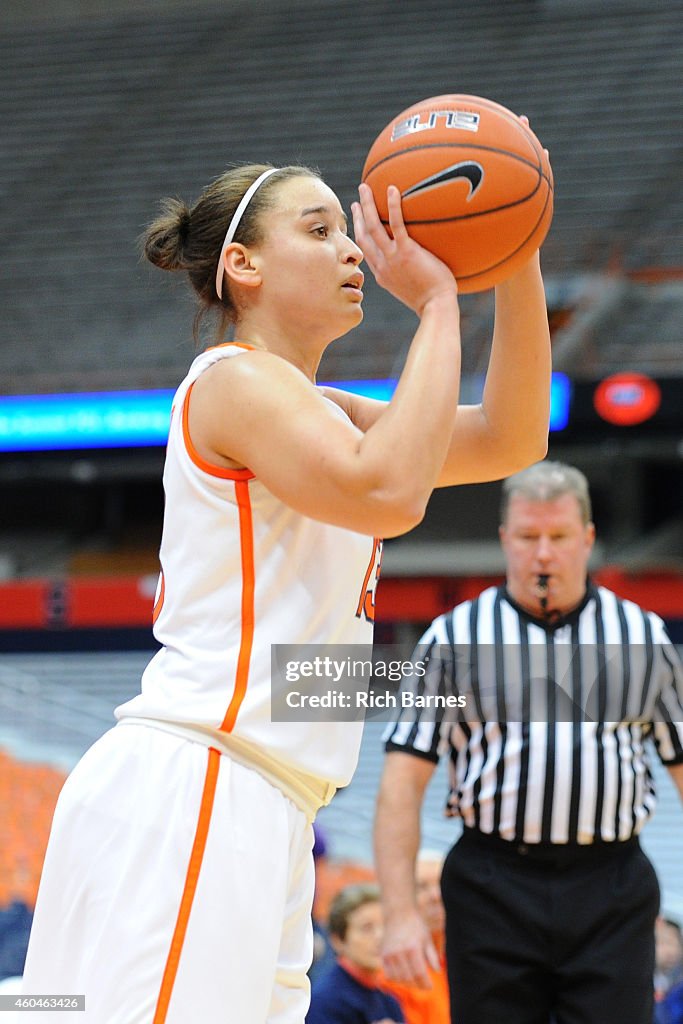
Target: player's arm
[
  {"x": 407, "y": 945},
  {"x": 509, "y": 429},
  {"x": 259, "y": 411}
]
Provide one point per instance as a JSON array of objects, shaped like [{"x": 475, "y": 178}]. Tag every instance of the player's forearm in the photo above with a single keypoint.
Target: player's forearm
[
  {"x": 516, "y": 400},
  {"x": 409, "y": 440}
]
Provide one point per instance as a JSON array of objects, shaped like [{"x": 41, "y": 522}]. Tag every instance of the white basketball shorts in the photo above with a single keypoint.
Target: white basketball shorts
[{"x": 177, "y": 887}]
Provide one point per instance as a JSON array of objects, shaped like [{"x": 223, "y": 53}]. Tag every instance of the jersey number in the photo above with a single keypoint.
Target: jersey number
[{"x": 366, "y": 601}]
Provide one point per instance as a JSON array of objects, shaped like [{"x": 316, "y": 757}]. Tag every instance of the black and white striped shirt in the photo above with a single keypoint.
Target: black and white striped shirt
[{"x": 550, "y": 745}]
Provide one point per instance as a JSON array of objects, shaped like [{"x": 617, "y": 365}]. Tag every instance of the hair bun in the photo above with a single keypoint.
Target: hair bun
[{"x": 166, "y": 237}]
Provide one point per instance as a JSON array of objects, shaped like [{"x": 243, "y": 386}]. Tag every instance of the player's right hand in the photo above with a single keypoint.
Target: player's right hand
[{"x": 400, "y": 265}]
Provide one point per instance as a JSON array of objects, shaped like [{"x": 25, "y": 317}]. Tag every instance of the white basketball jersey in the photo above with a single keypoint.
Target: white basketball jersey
[{"x": 241, "y": 571}]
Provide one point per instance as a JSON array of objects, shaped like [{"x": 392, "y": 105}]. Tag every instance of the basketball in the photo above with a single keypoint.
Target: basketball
[{"x": 475, "y": 182}]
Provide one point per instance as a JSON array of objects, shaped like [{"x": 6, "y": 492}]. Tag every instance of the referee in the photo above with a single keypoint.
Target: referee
[{"x": 554, "y": 685}]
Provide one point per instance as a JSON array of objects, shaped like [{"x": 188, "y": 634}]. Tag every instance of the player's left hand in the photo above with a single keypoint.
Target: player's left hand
[{"x": 400, "y": 264}]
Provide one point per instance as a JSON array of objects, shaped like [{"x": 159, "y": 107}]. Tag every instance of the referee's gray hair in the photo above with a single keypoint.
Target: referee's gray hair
[{"x": 546, "y": 481}]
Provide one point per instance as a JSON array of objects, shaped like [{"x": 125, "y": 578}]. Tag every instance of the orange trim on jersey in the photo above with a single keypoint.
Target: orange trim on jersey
[
  {"x": 191, "y": 879},
  {"x": 368, "y": 573},
  {"x": 207, "y": 467},
  {"x": 160, "y": 600},
  {"x": 248, "y": 585},
  {"x": 235, "y": 344}
]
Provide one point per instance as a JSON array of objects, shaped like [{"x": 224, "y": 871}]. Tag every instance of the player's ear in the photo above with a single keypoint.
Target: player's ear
[{"x": 241, "y": 266}]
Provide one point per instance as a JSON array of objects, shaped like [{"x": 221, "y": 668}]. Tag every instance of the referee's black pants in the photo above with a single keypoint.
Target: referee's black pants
[{"x": 539, "y": 935}]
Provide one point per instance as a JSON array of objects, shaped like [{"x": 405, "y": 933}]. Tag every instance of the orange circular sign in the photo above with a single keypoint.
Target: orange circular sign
[{"x": 626, "y": 399}]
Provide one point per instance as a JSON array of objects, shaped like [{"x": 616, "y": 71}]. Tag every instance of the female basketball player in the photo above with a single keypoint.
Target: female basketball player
[{"x": 178, "y": 881}]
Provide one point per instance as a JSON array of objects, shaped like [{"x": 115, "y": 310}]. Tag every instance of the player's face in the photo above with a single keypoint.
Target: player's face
[
  {"x": 546, "y": 538},
  {"x": 363, "y": 941},
  {"x": 309, "y": 264},
  {"x": 428, "y": 894}
]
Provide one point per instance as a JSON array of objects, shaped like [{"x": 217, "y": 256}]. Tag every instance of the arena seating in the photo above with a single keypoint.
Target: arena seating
[
  {"x": 104, "y": 115},
  {"x": 28, "y": 793}
]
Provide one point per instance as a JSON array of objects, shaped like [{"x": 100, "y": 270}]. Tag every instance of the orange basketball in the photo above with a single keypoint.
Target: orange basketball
[{"x": 476, "y": 185}]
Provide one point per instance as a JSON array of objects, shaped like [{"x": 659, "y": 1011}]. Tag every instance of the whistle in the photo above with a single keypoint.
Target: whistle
[{"x": 542, "y": 587}]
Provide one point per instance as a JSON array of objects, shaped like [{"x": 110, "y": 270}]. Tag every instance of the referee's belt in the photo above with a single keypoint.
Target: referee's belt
[{"x": 551, "y": 855}]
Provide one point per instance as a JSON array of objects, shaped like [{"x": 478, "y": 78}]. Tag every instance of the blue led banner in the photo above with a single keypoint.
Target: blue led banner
[
  {"x": 102, "y": 419},
  {"x": 560, "y": 401},
  {"x": 138, "y": 419}
]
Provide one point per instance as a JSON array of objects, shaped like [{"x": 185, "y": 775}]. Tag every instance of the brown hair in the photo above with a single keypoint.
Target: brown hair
[
  {"x": 190, "y": 238},
  {"x": 348, "y": 900}
]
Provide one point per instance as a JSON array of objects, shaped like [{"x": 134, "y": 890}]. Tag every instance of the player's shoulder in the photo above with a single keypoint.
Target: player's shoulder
[
  {"x": 250, "y": 380},
  {"x": 244, "y": 363}
]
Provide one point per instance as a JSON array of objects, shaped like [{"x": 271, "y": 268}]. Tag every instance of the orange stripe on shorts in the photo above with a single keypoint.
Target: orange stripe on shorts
[
  {"x": 160, "y": 600},
  {"x": 193, "y": 869}
]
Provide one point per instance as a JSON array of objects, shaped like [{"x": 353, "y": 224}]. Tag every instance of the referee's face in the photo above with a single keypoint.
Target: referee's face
[{"x": 546, "y": 538}]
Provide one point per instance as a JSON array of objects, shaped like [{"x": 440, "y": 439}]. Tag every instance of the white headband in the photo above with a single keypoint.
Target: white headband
[{"x": 235, "y": 223}]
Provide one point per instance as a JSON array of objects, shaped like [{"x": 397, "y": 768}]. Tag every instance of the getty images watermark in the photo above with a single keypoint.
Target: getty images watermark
[
  {"x": 348, "y": 682},
  {"x": 570, "y": 682}
]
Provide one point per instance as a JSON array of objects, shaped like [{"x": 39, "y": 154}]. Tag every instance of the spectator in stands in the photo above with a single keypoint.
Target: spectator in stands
[
  {"x": 670, "y": 1009},
  {"x": 668, "y": 971},
  {"x": 428, "y": 1005},
  {"x": 15, "y": 927},
  {"x": 349, "y": 992},
  {"x": 178, "y": 879}
]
